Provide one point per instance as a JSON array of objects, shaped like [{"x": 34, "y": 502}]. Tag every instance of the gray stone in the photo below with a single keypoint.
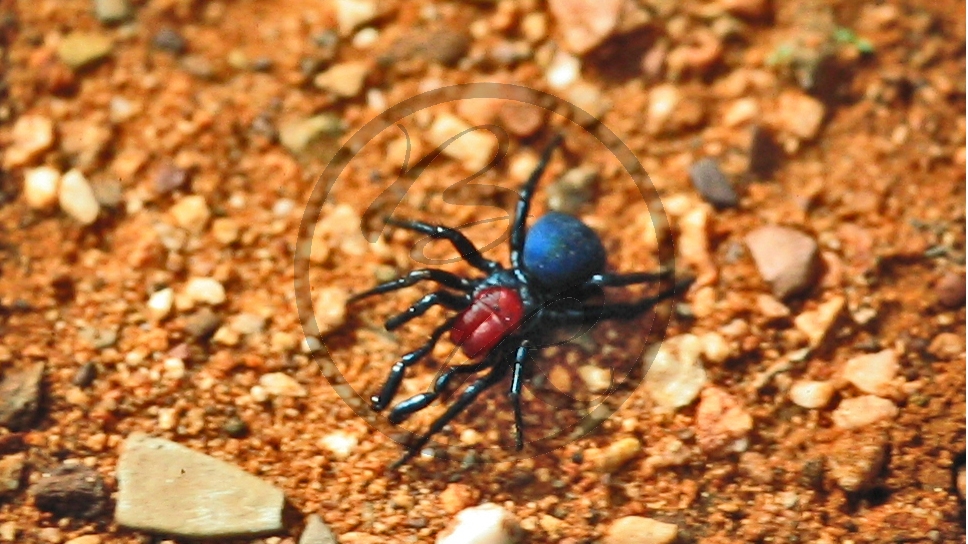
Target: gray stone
[
  {"x": 786, "y": 258},
  {"x": 81, "y": 49},
  {"x": 316, "y": 532},
  {"x": 112, "y": 11},
  {"x": 164, "y": 487},
  {"x": 74, "y": 491},
  {"x": 712, "y": 184},
  {"x": 20, "y": 396}
]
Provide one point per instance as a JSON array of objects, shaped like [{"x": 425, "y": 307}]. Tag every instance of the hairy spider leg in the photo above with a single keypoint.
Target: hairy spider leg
[
  {"x": 392, "y": 384},
  {"x": 519, "y": 230},
  {"x": 447, "y": 279},
  {"x": 467, "y": 396},
  {"x": 463, "y": 245},
  {"x": 514, "y": 394},
  {"x": 441, "y": 298},
  {"x": 617, "y": 310}
]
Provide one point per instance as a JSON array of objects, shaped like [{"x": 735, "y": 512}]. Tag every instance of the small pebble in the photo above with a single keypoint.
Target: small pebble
[
  {"x": 344, "y": 80},
  {"x": 235, "y": 427},
  {"x": 950, "y": 290},
  {"x": 770, "y": 307},
  {"x": 341, "y": 444},
  {"x": 588, "y": 98},
  {"x": 693, "y": 243},
  {"x": 765, "y": 154},
  {"x": 77, "y": 198},
  {"x": 30, "y": 137},
  {"x": 85, "y": 539},
  {"x": 170, "y": 40},
  {"x": 8, "y": 531},
  {"x": 351, "y": 14},
  {"x": 296, "y": 135},
  {"x": 330, "y": 309},
  {"x": 202, "y": 324},
  {"x": 873, "y": 373},
  {"x": 81, "y": 49},
  {"x": 712, "y": 184},
  {"x": 112, "y": 11},
  {"x": 640, "y": 530},
  {"x": 863, "y": 411},
  {"x": 169, "y": 178},
  {"x": 225, "y": 230},
  {"x": 612, "y": 457},
  {"x": 856, "y": 459},
  {"x": 455, "y": 497},
  {"x": 563, "y": 70},
  {"x": 160, "y": 303},
  {"x": 811, "y": 394},
  {"x": 205, "y": 291},
  {"x": 280, "y": 384},
  {"x": 446, "y": 46},
  {"x": 191, "y": 213},
  {"x": 40, "y": 187},
  {"x": 572, "y": 190},
  {"x": 585, "y": 24},
  {"x": 484, "y": 524},
  {"x": 20, "y": 390},
  {"x": 947, "y": 345},
  {"x": 596, "y": 379},
  {"x": 960, "y": 481},
  {"x": 741, "y": 111},
  {"x": 474, "y": 149},
  {"x": 534, "y": 27},
  {"x": 85, "y": 375},
  {"x": 786, "y": 258},
  {"x": 11, "y": 474},
  {"x": 520, "y": 118},
  {"x": 166, "y": 488},
  {"x": 316, "y": 532},
  {"x": 800, "y": 114},
  {"x": 722, "y": 423},
  {"x": 674, "y": 376},
  {"x": 816, "y": 324},
  {"x": 670, "y": 112},
  {"x": 73, "y": 491}
]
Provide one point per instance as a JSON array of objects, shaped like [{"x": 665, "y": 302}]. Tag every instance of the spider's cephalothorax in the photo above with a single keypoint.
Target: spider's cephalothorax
[{"x": 501, "y": 315}]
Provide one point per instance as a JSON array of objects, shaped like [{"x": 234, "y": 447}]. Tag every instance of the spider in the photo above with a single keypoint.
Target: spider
[{"x": 501, "y": 315}]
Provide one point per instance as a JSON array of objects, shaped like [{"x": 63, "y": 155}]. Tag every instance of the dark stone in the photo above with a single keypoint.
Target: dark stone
[
  {"x": 85, "y": 375},
  {"x": 72, "y": 491},
  {"x": 169, "y": 178},
  {"x": 712, "y": 184},
  {"x": 202, "y": 324},
  {"x": 765, "y": 153},
  {"x": 235, "y": 427},
  {"x": 441, "y": 46},
  {"x": 950, "y": 290},
  {"x": 20, "y": 393},
  {"x": 170, "y": 40}
]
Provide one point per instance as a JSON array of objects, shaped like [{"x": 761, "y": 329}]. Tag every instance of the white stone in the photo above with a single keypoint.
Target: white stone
[
  {"x": 474, "y": 149},
  {"x": 341, "y": 444},
  {"x": 873, "y": 373},
  {"x": 675, "y": 375},
  {"x": 77, "y": 198},
  {"x": 351, "y": 14},
  {"x": 811, "y": 394},
  {"x": 597, "y": 379},
  {"x": 815, "y": 324},
  {"x": 640, "y": 530},
  {"x": 40, "y": 187},
  {"x": 191, "y": 213},
  {"x": 316, "y": 532},
  {"x": 205, "y": 290},
  {"x": 164, "y": 487},
  {"x": 563, "y": 70},
  {"x": 484, "y": 524},
  {"x": 344, "y": 80},
  {"x": 863, "y": 411},
  {"x": 160, "y": 303},
  {"x": 31, "y": 135},
  {"x": 280, "y": 384},
  {"x": 330, "y": 308}
]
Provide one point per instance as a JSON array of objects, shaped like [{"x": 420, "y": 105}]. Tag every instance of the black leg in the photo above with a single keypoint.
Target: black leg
[
  {"x": 414, "y": 404},
  {"x": 621, "y": 280},
  {"x": 442, "y": 298},
  {"x": 517, "y": 381},
  {"x": 455, "y": 237},
  {"x": 630, "y": 310},
  {"x": 392, "y": 385},
  {"x": 519, "y": 230},
  {"x": 427, "y": 274},
  {"x": 470, "y": 393}
]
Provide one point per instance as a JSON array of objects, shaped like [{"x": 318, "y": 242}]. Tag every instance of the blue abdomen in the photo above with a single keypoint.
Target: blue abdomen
[{"x": 560, "y": 251}]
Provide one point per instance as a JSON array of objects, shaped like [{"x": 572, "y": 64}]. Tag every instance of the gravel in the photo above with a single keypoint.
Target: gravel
[
  {"x": 786, "y": 258},
  {"x": 164, "y": 487},
  {"x": 712, "y": 184}
]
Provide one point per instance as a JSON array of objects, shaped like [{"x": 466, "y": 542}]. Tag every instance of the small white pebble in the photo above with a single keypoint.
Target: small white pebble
[
  {"x": 281, "y": 385},
  {"x": 225, "y": 230},
  {"x": 205, "y": 290},
  {"x": 339, "y": 443},
  {"x": 330, "y": 308},
  {"x": 167, "y": 418},
  {"x": 612, "y": 457},
  {"x": 160, "y": 303},
  {"x": 597, "y": 379},
  {"x": 673, "y": 380},
  {"x": 258, "y": 393},
  {"x": 40, "y": 187},
  {"x": 811, "y": 394},
  {"x": 77, "y": 198},
  {"x": 863, "y": 411},
  {"x": 640, "y": 530},
  {"x": 365, "y": 38},
  {"x": 487, "y": 523},
  {"x": 174, "y": 368},
  {"x": 873, "y": 373},
  {"x": 563, "y": 70},
  {"x": 715, "y": 348}
]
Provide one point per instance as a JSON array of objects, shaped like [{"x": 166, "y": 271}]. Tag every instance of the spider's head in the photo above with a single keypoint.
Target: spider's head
[{"x": 561, "y": 252}]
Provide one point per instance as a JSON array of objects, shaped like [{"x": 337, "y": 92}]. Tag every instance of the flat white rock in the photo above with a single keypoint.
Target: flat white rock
[{"x": 164, "y": 487}]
